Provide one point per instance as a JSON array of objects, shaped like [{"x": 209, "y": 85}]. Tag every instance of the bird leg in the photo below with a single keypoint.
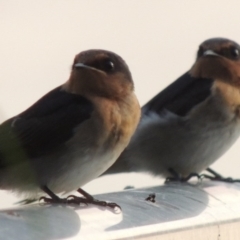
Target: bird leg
[
  {"x": 178, "y": 178},
  {"x": 217, "y": 177},
  {"x": 54, "y": 198},
  {"x": 90, "y": 199},
  {"x": 76, "y": 200}
]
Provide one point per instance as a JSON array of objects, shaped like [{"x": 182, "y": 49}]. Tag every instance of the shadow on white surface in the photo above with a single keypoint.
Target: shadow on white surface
[
  {"x": 181, "y": 211},
  {"x": 38, "y": 222},
  {"x": 173, "y": 202}
]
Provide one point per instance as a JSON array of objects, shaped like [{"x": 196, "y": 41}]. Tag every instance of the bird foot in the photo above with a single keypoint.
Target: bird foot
[
  {"x": 217, "y": 177},
  {"x": 220, "y": 178},
  {"x": 79, "y": 200},
  {"x": 76, "y": 200},
  {"x": 53, "y": 200},
  {"x": 178, "y": 178}
]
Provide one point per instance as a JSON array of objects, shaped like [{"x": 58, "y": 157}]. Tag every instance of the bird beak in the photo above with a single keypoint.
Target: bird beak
[
  {"x": 81, "y": 65},
  {"x": 210, "y": 53}
]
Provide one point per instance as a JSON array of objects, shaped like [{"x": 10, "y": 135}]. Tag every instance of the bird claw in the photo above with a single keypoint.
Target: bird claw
[
  {"x": 221, "y": 179},
  {"x": 178, "y": 178},
  {"x": 51, "y": 200},
  {"x": 79, "y": 200},
  {"x": 76, "y": 200},
  {"x": 112, "y": 205},
  {"x": 45, "y": 199},
  {"x": 218, "y": 177},
  {"x": 184, "y": 179}
]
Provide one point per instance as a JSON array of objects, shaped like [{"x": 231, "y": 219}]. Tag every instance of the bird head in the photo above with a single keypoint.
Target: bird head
[
  {"x": 218, "y": 59},
  {"x": 100, "y": 72}
]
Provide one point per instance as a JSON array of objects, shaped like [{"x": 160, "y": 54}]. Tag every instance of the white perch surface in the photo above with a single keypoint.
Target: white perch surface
[{"x": 209, "y": 210}]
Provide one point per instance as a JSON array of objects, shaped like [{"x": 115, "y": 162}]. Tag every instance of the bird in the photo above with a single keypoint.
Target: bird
[
  {"x": 190, "y": 124},
  {"x": 73, "y": 133}
]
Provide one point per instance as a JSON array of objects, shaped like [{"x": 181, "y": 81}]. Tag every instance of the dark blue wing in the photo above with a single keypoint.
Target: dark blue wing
[
  {"x": 180, "y": 96},
  {"x": 44, "y": 127}
]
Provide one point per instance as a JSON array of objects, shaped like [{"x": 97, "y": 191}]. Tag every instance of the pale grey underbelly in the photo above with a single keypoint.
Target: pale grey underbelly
[{"x": 173, "y": 144}]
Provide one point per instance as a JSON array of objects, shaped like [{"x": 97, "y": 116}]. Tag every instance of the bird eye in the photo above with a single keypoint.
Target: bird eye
[
  {"x": 234, "y": 52},
  {"x": 108, "y": 65}
]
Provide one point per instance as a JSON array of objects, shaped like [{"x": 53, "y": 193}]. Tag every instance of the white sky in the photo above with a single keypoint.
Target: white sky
[{"x": 158, "y": 39}]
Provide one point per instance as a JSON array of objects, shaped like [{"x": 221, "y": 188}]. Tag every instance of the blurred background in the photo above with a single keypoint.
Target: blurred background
[{"x": 158, "y": 40}]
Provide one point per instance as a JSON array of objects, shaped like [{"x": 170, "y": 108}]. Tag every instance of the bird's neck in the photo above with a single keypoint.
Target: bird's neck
[
  {"x": 222, "y": 106},
  {"x": 229, "y": 93}
]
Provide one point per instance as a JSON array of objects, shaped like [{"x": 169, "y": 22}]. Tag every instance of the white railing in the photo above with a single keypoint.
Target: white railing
[{"x": 207, "y": 210}]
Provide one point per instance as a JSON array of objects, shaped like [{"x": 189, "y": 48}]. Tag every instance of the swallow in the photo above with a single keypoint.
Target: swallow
[
  {"x": 73, "y": 133},
  {"x": 193, "y": 122}
]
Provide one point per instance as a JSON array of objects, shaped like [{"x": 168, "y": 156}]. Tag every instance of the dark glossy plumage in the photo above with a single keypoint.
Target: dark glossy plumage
[
  {"x": 45, "y": 126},
  {"x": 180, "y": 96}
]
